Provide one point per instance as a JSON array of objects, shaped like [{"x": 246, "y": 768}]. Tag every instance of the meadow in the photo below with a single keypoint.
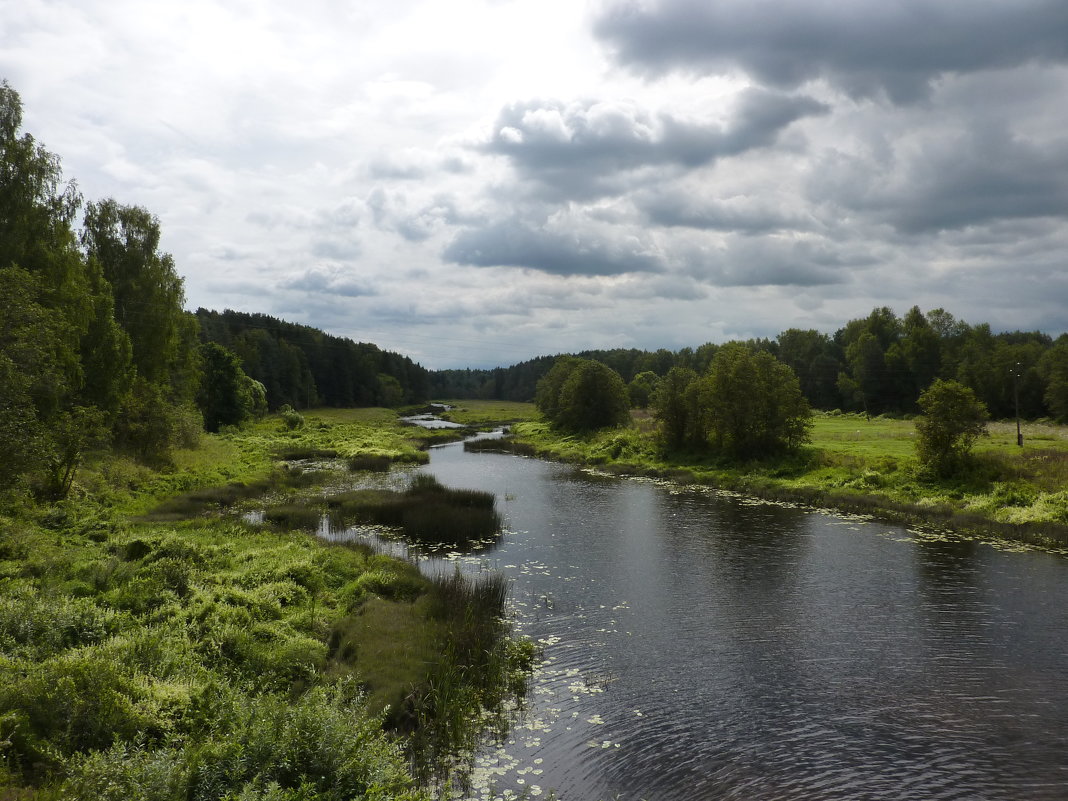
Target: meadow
[{"x": 851, "y": 463}]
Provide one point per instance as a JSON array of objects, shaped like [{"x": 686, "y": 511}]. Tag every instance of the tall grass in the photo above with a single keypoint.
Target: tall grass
[
  {"x": 427, "y": 512},
  {"x": 478, "y": 670}
]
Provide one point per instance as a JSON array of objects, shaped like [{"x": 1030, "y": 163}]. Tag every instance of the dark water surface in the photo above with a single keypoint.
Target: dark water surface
[{"x": 701, "y": 646}]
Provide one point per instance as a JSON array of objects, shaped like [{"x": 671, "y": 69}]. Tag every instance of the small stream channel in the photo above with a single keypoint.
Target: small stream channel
[{"x": 699, "y": 645}]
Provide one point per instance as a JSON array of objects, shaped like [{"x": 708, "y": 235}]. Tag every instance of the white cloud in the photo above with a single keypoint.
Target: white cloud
[{"x": 479, "y": 181}]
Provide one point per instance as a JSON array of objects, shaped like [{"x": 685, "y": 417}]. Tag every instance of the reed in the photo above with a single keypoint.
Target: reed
[
  {"x": 427, "y": 512},
  {"x": 297, "y": 516},
  {"x": 370, "y": 463}
]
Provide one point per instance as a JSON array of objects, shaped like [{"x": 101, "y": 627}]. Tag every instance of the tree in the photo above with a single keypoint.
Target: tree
[
  {"x": 583, "y": 395},
  {"x": 752, "y": 403},
  {"x": 1054, "y": 369},
  {"x": 954, "y": 418},
  {"x": 813, "y": 356},
  {"x": 640, "y": 390},
  {"x": 672, "y": 406},
  {"x": 62, "y": 362},
  {"x": 71, "y": 435},
  {"x": 547, "y": 392},
  {"x": 226, "y": 396},
  {"x": 148, "y": 292}
]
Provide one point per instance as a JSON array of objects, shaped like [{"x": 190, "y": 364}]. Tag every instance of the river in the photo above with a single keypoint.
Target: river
[{"x": 706, "y": 646}]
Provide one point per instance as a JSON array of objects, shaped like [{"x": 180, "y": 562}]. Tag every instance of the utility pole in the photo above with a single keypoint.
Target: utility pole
[{"x": 1016, "y": 398}]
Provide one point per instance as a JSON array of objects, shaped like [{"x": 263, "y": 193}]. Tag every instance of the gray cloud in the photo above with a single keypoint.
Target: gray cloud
[
  {"x": 326, "y": 281},
  {"x": 587, "y": 149},
  {"x": 570, "y": 251},
  {"x": 776, "y": 261},
  {"x": 685, "y": 209},
  {"x": 864, "y": 47},
  {"x": 391, "y": 212},
  {"x": 951, "y": 179}
]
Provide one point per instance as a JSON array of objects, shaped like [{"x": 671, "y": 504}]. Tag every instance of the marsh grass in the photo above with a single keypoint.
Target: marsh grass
[
  {"x": 213, "y": 499},
  {"x": 370, "y": 463},
  {"x": 298, "y": 516},
  {"x": 426, "y": 512},
  {"x": 183, "y": 655},
  {"x": 296, "y": 452}
]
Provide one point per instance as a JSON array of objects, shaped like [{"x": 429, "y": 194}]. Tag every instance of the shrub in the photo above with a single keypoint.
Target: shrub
[
  {"x": 583, "y": 395},
  {"x": 291, "y": 419},
  {"x": 954, "y": 418}
]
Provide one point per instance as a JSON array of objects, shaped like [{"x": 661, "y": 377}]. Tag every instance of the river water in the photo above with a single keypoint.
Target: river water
[{"x": 706, "y": 646}]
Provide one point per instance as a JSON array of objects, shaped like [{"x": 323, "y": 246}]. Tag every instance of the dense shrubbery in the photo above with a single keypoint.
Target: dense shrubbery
[
  {"x": 583, "y": 395},
  {"x": 747, "y": 405}
]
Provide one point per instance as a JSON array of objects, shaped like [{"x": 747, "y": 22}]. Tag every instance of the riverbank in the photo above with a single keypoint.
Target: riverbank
[
  {"x": 155, "y": 643},
  {"x": 852, "y": 464}
]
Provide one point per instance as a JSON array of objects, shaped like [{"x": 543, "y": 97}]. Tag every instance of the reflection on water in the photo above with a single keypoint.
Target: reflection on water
[{"x": 700, "y": 646}]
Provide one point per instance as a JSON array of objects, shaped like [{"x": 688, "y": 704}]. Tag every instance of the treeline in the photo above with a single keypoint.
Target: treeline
[
  {"x": 97, "y": 350},
  {"x": 876, "y": 364},
  {"x": 301, "y": 366}
]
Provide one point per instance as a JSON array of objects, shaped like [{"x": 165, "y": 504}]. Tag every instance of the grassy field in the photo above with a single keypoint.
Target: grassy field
[
  {"x": 863, "y": 465},
  {"x": 155, "y": 645},
  {"x": 488, "y": 413}
]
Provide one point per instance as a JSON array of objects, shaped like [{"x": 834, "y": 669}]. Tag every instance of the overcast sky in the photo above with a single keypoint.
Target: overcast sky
[{"x": 477, "y": 182}]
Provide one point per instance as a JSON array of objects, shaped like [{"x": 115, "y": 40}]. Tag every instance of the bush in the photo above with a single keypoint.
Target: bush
[
  {"x": 954, "y": 418},
  {"x": 583, "y": 395},
  {"x": 321, "y": 747},
  {"x": 291, "y": 419}
]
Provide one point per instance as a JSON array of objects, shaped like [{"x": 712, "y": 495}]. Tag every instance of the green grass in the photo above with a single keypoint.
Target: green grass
[
  {"x": 153, "y": 647},
  {"x": 488, "y": 413}
]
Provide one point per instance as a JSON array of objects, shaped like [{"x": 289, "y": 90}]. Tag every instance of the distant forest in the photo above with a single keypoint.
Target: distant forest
[
  {"x": 302, "y": 366},
  {"x": 877, "y": 364}
]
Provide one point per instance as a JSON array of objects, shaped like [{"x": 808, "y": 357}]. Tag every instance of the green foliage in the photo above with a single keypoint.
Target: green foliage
[
  {"x": 752, "y": 403},
  {"x": 300, "y": 366},
  {"x": 148, "y": 292},
  {"x": 1054, "y": 368},
  {"x": 72, "y": 433},
  {"x": 322, "y": 747},
  {"x": 583, "y": 395},
  {"x": 953, "y": 420},
  {"x": 641, "y": 389},
  {"x": 673, "y": 406},
  {"x": 291, "y": 419},
  {"x": 226, "y": 397}
]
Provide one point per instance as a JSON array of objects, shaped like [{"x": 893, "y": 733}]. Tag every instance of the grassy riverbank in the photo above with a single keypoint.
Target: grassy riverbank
[
  {"x": 854, "y": 464},
  {"x": 154, "y": 646}
]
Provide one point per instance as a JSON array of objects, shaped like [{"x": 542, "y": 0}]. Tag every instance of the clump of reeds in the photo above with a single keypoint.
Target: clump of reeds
[
  {"x": 427, "y": 512},
  {"x": 304, "y": 517},
  {"x": 480, "y": 667},
  {"x": 370, "y": 462}
]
